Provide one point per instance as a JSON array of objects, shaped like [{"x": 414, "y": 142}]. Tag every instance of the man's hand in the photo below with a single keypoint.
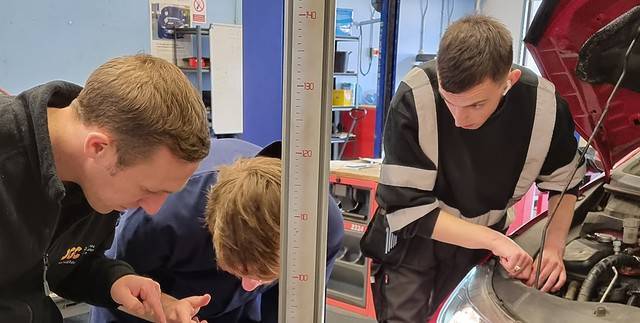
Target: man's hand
[
  {"x": 183, "y": 310},
  {"x": 138, "y": 296},
  {"x": 552, "y": 272},
  {"x": 451, "y": 229},
  {"x": 514, "y": 259}
]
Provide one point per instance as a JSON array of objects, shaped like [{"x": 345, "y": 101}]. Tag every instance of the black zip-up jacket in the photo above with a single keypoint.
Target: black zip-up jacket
[{"x": 43, "y": 220}]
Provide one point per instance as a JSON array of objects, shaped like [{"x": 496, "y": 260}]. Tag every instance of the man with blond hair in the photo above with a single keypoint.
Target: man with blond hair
[
  {"x": 466, "y": 136},
  {"x": 71, "y": 159},
  {"x": 220, "y": 235}
]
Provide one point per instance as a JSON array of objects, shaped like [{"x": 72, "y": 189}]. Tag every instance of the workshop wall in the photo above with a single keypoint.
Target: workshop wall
[
  {"x": 436, "y": 21},
  {"x": 370, "y": 38},
  {"x": 46, "y": 40},
  {"x": 511, "y": 13}
]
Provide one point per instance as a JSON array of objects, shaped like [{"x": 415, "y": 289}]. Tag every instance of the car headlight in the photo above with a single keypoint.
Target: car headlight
[
  {"x": 466, "y": 314},
  {"x": 474, "y": 301}
]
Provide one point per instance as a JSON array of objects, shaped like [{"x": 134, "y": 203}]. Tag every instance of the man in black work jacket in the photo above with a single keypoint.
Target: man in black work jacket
[
  {"x": 465, "y": 138},
  {"x": 70, "y": 159}
]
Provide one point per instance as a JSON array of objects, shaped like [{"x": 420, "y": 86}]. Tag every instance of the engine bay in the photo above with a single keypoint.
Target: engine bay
[{"x": 603, "y": 263}]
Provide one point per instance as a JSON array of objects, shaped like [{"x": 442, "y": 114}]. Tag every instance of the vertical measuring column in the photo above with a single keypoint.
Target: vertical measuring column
[{"x": 308, "y": 67}]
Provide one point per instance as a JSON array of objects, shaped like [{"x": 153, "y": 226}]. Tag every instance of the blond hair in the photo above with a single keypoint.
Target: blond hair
[
  {"x": 243, "y": 216},
  {"x": 145, "y": 103}
]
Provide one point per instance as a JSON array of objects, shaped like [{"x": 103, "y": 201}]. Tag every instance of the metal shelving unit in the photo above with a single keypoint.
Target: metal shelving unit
[
  {"x": 338, "y": 143},
  {"x": 337, "y": 140},
  {"x": 347, "y": 38},
  {"x": 343, "y": 107},
  {"x": 345, "y": 74},
  {"x": 198, "y": 32}
]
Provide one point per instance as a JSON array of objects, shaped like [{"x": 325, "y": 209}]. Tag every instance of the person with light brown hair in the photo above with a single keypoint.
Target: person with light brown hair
[
  {"x": 243, "y": 216},
  {"x": 219, "y": 235},
  {"x": 466, "y": 136},
  {"x": 72, "y": 159}
]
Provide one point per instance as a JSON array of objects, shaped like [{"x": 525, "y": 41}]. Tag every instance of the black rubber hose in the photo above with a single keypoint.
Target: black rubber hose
[{"x": 603, "y": 267}]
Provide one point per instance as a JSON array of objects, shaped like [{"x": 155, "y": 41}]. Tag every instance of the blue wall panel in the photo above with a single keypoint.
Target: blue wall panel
[{"x": 263, "y": 23}]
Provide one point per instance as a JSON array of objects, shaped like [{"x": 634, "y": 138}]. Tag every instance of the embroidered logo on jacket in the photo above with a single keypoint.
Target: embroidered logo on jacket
[{"x": 74, "y": 253}]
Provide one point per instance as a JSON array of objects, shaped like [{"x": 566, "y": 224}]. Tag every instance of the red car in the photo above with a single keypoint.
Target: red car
[{"x": 580, "y": 45}]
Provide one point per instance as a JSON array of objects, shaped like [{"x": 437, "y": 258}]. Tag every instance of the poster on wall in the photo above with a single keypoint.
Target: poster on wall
[
  {"x": 199, "y": 11},
  {"x": 166, "y": 15}
]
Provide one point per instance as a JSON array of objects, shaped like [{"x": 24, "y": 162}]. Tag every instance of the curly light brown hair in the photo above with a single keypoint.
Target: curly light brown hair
[{"x": 243, "y": 216}]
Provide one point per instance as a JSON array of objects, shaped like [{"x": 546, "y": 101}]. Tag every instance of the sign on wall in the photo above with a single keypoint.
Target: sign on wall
[{"x": 167, "y": 15}]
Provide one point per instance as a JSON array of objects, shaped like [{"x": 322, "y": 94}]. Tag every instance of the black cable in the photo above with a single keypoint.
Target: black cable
[
  {"x": 373, "y": 12},
  {"x": 580, "y": 160},
  {"x": 360, "y": 54}
]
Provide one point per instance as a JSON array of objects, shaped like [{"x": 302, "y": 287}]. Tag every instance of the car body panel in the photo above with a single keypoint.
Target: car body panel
[{"x": 555, "y": 39}]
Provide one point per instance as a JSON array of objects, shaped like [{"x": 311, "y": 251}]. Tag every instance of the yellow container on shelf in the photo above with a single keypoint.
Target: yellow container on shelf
[{"x": 342, "y": 97}]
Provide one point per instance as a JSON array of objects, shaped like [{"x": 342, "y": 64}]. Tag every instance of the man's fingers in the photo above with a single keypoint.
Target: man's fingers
[
  {"x": 504, "y": 263},
  {"x": 519, "y": 264},
  {"x": 199, "y": 301},
  {"x": 525, "y": 273},
  {"x": 532, "y": 280},
  {"x": 131, "y": 304},
  {"x": 561, "y": 280},
  {"x": 548, "y": 271},
  {"x": 524, "y": 262},
  {"x": 551, "y": 280},
  {"x": 151, "y": 298},
  {"x": 534, "y": 268}
]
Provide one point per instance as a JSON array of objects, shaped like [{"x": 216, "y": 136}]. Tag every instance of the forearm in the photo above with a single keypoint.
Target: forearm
[
  {"x": 559, "y": 227},
  {"x": 453, "y": 230}
]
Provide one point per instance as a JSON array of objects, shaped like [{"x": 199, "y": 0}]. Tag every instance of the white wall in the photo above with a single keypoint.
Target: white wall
[
  {"x": 409, "y": 29},
  {"x": 510, "y": 13}
]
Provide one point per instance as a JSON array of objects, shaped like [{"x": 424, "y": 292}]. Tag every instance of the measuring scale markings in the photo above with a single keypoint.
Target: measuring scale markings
[{"x": 305, "y": 35}]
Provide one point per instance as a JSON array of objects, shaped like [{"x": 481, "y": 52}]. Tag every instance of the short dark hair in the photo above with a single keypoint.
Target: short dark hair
[{"x": 472, "y": 49}]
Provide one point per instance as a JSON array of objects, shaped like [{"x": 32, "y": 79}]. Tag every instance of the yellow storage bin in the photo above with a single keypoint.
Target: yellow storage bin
[{"x": 342, "y": 97}]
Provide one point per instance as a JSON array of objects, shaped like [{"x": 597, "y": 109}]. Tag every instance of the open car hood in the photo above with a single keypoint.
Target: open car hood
[{"x": 580, "y": 45}]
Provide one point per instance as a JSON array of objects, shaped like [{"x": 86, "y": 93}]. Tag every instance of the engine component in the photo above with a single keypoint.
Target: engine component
[
  {"x": 630, "y": 233},
  {"x": 603, "y": 237},
  {"x": 617, "y": 244},
  {"x": 603, "y": 267},
  {"x": 613, "y": 281},
  {"x": 581, "y": 255},
  {"x": 572, "y": 290},
  {"x": 635, "y": 294},
  {"x": 630, "y": 271},
  {"x": 617, "y": 294}
]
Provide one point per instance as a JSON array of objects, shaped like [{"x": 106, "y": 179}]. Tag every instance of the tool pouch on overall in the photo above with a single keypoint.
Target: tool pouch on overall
[{"x": 384, "y": 246}]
